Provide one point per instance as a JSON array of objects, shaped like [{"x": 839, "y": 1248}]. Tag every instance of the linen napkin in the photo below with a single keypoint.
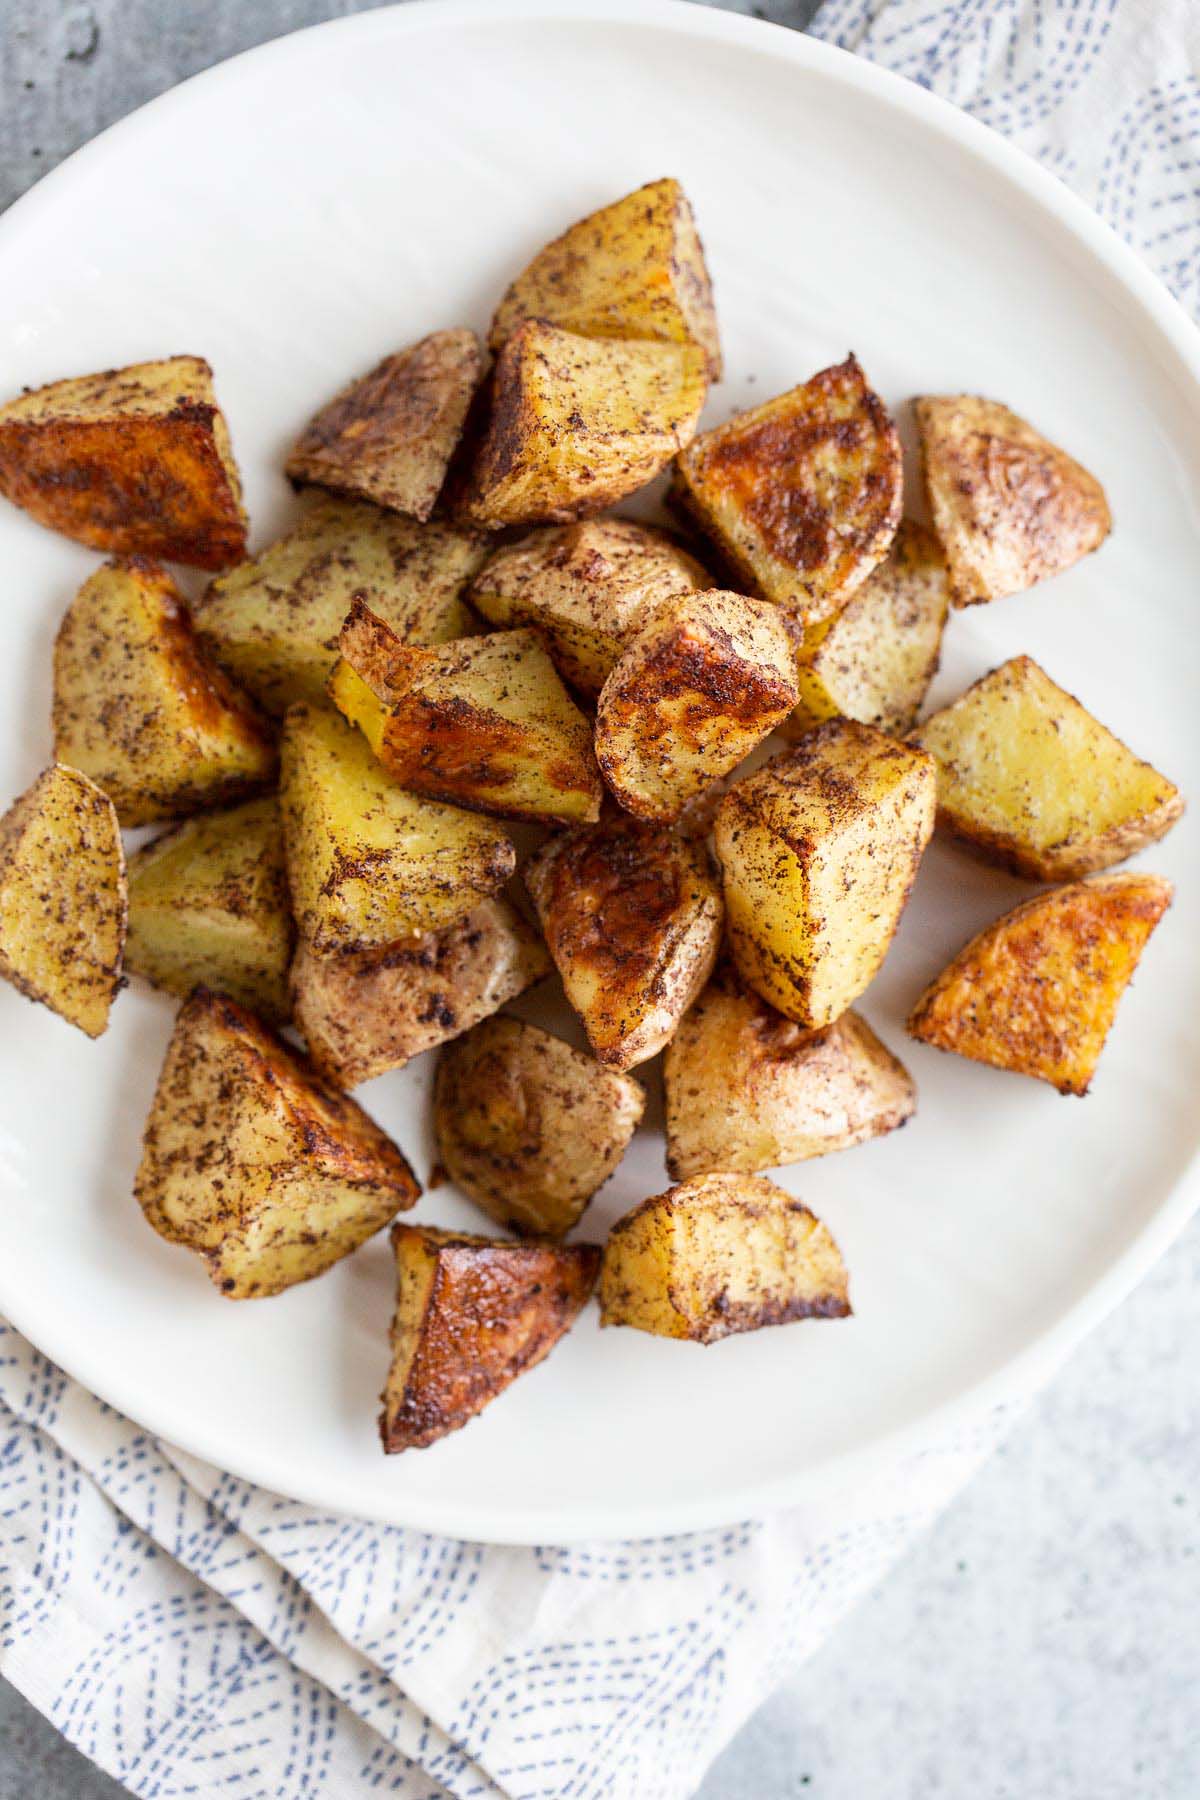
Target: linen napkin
[{"x": 197, "y": 1636}]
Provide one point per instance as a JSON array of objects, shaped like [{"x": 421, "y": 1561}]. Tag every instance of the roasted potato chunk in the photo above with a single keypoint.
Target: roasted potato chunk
[
  {"x": 718, "y": 1255},
  {"x": 208, "y": 907},
  {"x": 365, "y": 1011},
  {"x": 576, "y": 424},
  {"x": 818, "y": 852},
  {"x": 141, "y": 710},
  {"x": 252, "y": 1162},
  {"x": 367, "y": 862},
  {"x": 484, "y": 723},
  {"x": 389, "y": 436},
  {"x": 801, "y": 496},
  {"x": 133, "y": 461},
  {"x": 632, "y": 918},
  {"x": 1028, "y": 776},
  {"x": 273, "y": 622},
  {"x": 587, "y": 588},
  {"x": 875, "y": 659},
  {"x": 634, "y": 269},
  {"x": 1010, "y": 507},
  {"x": 704, "y": 681},
  {"x": 62, "y": 897},
  {"x": 529, "y": 1127},
  {"x": 472, "y": 1313},
  {"x": 1037, "y": 991},
  {"x": 747, "y": 1089}
]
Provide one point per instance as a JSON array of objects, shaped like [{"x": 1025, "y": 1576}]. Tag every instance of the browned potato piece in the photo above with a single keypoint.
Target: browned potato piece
[
  {"x": 632, "y": 918},
  {"x": 747, "y": 1089},
  {"x": 364, "y": 1011},
  {"x": 1037, "y": 991},
  {"x": 634, "y": 269},
  {"x": 801, "y": 495},
  {"x": 141, "y": 710},
  {"x": 208, "y": 907},
  {"x": 1027, "y": 775},
  {"x": 472, "y": 1313},
  {"x": 818, "y": 851},
  {"x": 133, "y": 461},
  {"x": 577, "y": 424},
  {"x": 587, "y": 588},
  {"x": 718, "y": 1255},
  {"x": 529, "y": 1127},
  {"x": 389, "y": 436},
  {"x": 1010, "y": 507},
  {"x": 704, "y": 681},
  {"x": 252, "y": 1162},
  {"x": 62, "y": 898}
]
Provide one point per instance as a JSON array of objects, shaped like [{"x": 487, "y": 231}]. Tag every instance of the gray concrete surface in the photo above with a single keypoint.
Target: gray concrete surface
[{"x": 1043, "y": 1641}]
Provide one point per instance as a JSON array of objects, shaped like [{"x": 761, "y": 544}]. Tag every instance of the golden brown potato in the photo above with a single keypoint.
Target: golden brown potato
[
  {"x": 208, "y": 907},
  {"x": 634, "y": 269},
  {"x": 529, "y": 1127},
  {"x": 389, "y": 436},
  {"x": 632, "y": 918},
  {"x": 472, "y": 1313},
  {"x": 133, "y": 461},
  {"x": 587, "y": 588},
  {"x": 367, "y": 862},
  {"x": 801, "y": 495},
  {"x": 718, "y": 1255},
  {"x": 141, "y": 710},
  {"x": 1028, "y": 776},
  {"x": 273, "y": 622},
  {"x": 364, "y": 1011},
  {"x": 484, "y": 723},
  {"x": 747, "y": 1089},
  {"x": 818, "y": 852},
  {"x": 875, "y": 659},
  {"x": 62, "y": 897},
  {"x": 252, "y": 1162},
  {"x": 1010, "y": 507},
  {"x": 576, "y": 424},
  {"x": 1037, "y": 991},
  {"x": 703, "y": 681}
]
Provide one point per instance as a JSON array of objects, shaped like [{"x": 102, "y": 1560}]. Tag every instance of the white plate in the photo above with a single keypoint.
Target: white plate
[{"x": 300, "y": 211}]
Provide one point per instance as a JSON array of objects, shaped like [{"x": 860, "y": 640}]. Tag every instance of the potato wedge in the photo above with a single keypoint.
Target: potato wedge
[
  {"x": 634, "y": 269},
  {"x": 747, "y": 1089},
  {"x": 719, "y": 1255},
  {"x": 389, "y": 436},
  {"x": 1037, "y": 992},
  {"x": 801, "y": 496},
  {"x": 135, "y": 461},
  {"x": 142, "y": 711},
  {"x": 587, "y": 588},
  {"x": 252, "y": 1162},
  {"x": 484, "y": 723},
  {"x": 62, "y": 898},
  {"x": 577, "y": 424},
  {"x": 472, "y": 1313},
  {"x": 365, "y": 1011},
  {"x": 1010, "y": 507},
  {"x": 632, "y": 917},
  {"x": 1028, "y": 776},
  {"x": 367, "y": 862},
  {"x": 704, "y": 680},
  {"x": 208, "y": 907},
  {"x": 529, "y": 1127},
  {"x": 818, "y": 852},
  {"x": 273, "y": 622}
]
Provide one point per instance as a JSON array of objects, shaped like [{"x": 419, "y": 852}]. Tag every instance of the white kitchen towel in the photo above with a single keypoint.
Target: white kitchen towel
[{"x": 196, "y": 1636}]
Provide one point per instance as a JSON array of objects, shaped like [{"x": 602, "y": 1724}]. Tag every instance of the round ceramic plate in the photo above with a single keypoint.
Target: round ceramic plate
[{"x": 297, "y": 213}]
